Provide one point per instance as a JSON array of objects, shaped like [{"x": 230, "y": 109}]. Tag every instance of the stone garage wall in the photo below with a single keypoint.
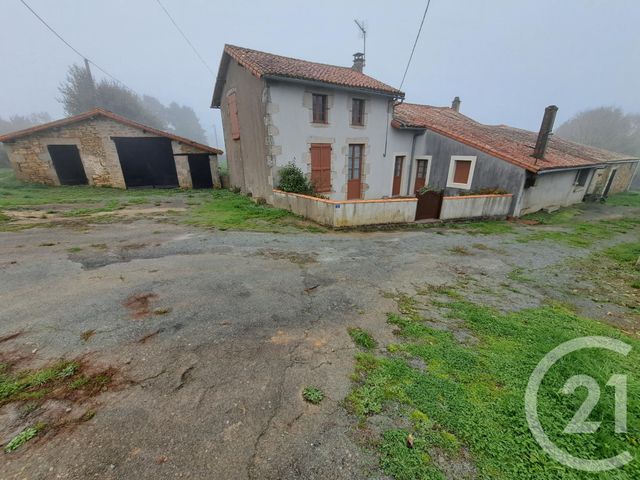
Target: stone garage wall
[{"x": 31, "y": 161}]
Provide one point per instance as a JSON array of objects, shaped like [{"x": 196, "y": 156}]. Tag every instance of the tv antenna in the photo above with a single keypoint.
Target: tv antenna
[{"x": 363, "y": 31}]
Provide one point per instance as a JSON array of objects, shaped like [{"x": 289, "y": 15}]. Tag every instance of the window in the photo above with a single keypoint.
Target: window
[
  {"x": 355, "y": 161},
  {"x": 320, "y": 108},
  {"x": 357, "y": 112},
  {"x": 461, "y": 172},
  {"x": 581, "y": 177},
  {"x": 321, "y": 166},
  {"x": 233, "y": 116},
  {"x": 397, "y": 170}
]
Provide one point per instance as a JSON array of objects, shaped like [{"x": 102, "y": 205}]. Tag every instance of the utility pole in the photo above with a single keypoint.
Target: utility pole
[{"x": 92, "y": 85}]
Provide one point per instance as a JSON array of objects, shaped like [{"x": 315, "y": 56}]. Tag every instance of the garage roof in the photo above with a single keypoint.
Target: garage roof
[
  {"x": 99, "y": 112},
  {"x": 501, "y": 141}
]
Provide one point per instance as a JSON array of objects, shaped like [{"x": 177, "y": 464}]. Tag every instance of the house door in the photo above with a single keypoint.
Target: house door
[
  {"x": 397, "y": 176},
  {"x": 200, "y": 169},
  {"x": 66, "y": 160},
  {"x": 354, "y": 174},
  {"x": 321, "y": 167},
  {"x": 421, "y": 174},
  {"x": 609, "y": 183}
]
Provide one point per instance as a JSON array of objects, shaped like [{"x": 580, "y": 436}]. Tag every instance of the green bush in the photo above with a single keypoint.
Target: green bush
[{"x": 293, "y": 180}]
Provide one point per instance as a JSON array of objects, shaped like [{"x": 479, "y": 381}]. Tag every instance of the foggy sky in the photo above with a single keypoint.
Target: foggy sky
[{"x": 506, "y": 59}]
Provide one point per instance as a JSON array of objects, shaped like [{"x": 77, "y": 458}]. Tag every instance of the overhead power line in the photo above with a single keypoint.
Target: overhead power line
[
  {"x": 415, "y": 43},
  {"x": 206, "y": 65},
  {"x": 72, "y": 47}
]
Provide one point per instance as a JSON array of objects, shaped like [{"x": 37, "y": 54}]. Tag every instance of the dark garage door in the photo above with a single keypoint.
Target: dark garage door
[
  {"x": 147, "y": 161},
  {"x": 66, "y": 161},
  {"x": 200, "y": 171}
]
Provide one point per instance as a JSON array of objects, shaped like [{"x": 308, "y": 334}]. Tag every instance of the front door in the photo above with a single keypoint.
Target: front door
[
  {"x": 397, "y": 176},
  {"x": 354, "y": 174},
  {"x": 421, "y": 174},
  {"x": 66, "y": 160}
]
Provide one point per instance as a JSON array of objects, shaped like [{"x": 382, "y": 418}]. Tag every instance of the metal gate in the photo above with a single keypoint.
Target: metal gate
[
  {"x": 200, "y": 169},
  {"x": 429, "y": 204}
]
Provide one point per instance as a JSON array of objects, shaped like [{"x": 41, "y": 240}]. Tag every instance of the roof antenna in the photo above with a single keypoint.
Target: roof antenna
[{"x": 363, "y": 31}]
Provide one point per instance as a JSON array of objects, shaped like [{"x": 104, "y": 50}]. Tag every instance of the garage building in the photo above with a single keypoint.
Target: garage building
[{"x": 104, "y": 149}]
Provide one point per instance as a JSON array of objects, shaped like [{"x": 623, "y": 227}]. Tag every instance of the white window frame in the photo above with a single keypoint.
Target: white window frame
[
  {"x": 429, "y": 160},
  {"x": 452, "y": 170}
]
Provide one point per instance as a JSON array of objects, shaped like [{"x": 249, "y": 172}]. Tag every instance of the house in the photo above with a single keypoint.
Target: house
[
  {"x": 368, "y": 152},
  {"x": 104, "y": 149},
  {"x": 330, "y": 121},
  {"x": 456, "y": 154}
]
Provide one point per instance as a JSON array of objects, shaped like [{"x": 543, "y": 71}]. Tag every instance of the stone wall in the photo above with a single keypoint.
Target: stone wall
[{"x": 31, "y": 161}]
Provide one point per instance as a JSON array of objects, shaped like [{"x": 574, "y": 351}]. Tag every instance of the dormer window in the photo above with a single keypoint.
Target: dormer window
[{"x": 320, "y": 108}]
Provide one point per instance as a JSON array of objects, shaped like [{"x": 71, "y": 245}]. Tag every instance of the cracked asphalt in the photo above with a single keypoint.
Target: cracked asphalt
[{"x": 214, "y": 335}]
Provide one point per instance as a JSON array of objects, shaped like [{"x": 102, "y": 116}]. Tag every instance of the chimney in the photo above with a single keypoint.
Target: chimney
[
  {"x": 358, "y": 62},
  {"x": 455, "y": 105},
  {"x": 545, "y": 131}
]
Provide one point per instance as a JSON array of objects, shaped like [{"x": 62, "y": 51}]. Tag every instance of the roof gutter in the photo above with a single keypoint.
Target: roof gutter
[
  {"x": 565, "y": 169},
  {"x": 315, "y": 83}
]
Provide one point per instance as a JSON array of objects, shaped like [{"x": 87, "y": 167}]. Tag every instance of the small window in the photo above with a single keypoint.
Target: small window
[
  {"x": 581, "y": 177},
  {"x": 422, "y": 169},
  {"x": 461, "y": 172},
  {"x": 233, "y": 116},
  {"x": 357, "y": 112},
  {"x": 320, "y": 108}
]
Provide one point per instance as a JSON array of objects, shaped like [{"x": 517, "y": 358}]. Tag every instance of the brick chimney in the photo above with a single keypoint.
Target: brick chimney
[
  {"x": 545, "y": 131},
  {"x": 358, "y": 62},
  {"x": 455, "y": 105}
]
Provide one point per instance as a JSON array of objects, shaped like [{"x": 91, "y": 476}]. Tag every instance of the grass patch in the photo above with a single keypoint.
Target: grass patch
[
  {"x": 24, "y": 436},
  {"x": 313, "y": 395},
  {"x": 473, "y": 396},
  {"x": 485, "y": 227},
  {"x": 54, "y": 381},
  {"x": 558, "y": 217},
  {"x": 626, "y": 199},
  {"x": 227, "y": 210},
  {"x": 584, "y": 234},
  {"x": 362, "y": 338}
]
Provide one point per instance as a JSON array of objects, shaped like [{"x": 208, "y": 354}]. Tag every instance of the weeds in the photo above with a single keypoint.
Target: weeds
[
  {"x": 24, "y": 436},
  {"x": 362, "y": 338},
  {"x": 313, "y": 395}
]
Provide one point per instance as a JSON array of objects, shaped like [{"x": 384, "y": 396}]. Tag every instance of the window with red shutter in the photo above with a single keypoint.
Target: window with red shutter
[
  {"x": 321, "y": 166},
  {"x": 462, "y": 169},
  {"x": 233, "y": 116}
]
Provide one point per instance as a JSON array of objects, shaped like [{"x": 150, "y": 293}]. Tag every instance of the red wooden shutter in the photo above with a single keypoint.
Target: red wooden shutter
[
  {"x": 462, "y": 169},
  {"x": 233, "y": 115},
  {"x": 321, "y": 166}
]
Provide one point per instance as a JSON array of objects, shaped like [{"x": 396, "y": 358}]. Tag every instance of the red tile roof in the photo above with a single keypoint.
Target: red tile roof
[
  {"x": 511, "y": 144},
  {"x": 262, "y": 64},
  {"x": 99, "y": 112}
]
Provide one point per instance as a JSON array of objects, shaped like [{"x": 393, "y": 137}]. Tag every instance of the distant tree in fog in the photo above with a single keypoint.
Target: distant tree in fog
[
  {"x": 605, "y": 127},
  {"x": 19, "y": 122},
  {"x": 81, "y": 93},
  {"x": 179, "y": 119}
]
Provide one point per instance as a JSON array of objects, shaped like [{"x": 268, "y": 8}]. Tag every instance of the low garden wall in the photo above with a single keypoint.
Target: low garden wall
[
  {"x": 474, "y": 206},
  {"x": 347, "y": 213}
]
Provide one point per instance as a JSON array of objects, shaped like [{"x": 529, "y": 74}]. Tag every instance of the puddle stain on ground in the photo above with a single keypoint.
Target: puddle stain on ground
[{"x": 139, "y": 304}]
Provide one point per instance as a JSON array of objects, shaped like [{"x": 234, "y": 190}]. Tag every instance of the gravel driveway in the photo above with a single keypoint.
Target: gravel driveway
[{"x": 215, "y": 334}]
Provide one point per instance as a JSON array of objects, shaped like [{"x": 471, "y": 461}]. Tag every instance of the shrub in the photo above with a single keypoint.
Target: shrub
[{"x": 293, "y": 180}]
